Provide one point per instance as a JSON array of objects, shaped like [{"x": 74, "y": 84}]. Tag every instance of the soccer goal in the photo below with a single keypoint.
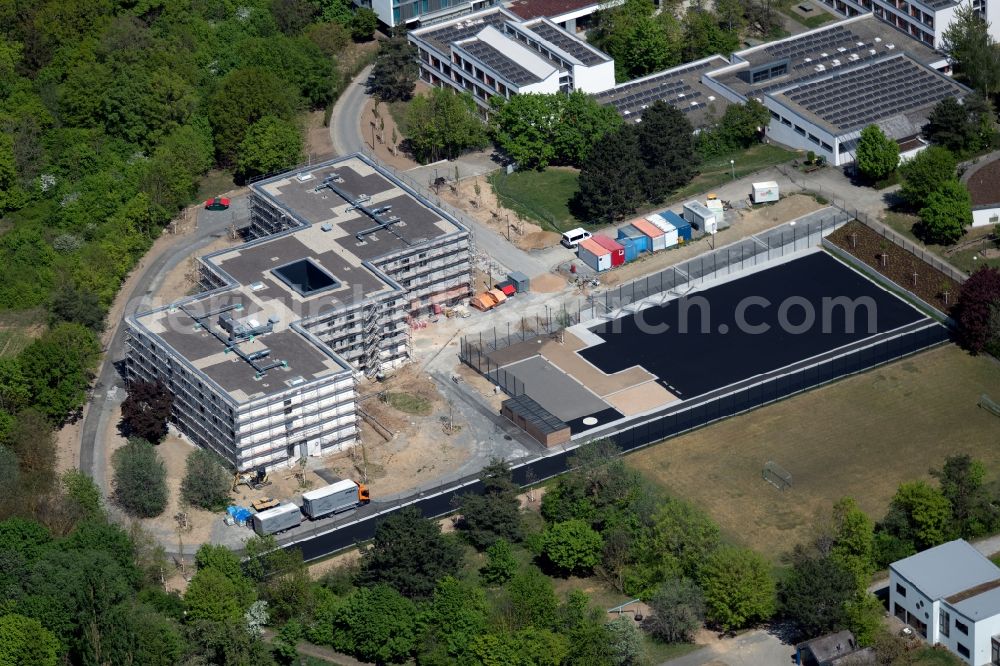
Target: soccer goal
[
  {"x": 989, "y": 405},
  {"x": 776, "y": 475}
]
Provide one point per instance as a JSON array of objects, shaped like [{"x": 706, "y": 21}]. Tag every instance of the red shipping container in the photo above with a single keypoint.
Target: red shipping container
[{"x": 616, "y": 249}]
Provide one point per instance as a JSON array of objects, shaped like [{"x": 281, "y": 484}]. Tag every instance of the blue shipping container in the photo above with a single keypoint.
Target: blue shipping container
[
  {"x": 631, "y": 248},
  {"x": 682, "y": 225},
  {"x": 640, "y": 239}
]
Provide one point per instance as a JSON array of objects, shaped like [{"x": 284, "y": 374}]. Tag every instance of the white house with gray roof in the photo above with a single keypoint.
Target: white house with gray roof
[{"x": 950, "y": 594}]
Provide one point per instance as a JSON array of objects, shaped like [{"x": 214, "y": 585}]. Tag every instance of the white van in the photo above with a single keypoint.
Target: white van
[{"x": 574, "y": 237}]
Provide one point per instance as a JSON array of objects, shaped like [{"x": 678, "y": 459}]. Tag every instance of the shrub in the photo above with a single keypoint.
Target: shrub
[
  {"x": 206, "y": 482},
  {"x": 140, "y": 479}
]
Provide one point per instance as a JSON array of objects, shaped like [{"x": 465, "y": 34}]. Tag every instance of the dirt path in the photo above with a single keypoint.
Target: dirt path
[
  {"x": 383, "y": 149},
  {"x": 318, "y": 141}
]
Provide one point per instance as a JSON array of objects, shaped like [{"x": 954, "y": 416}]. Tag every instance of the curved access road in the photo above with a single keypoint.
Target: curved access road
[
  {"x": 345, "y": 120},
  {"x": 109, "y": 387}
]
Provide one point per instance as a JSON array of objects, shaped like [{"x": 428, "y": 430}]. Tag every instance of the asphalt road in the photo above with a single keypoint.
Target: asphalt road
[
  {"x": 109, "y": 381},
  {"x": 346, "y": 117}
]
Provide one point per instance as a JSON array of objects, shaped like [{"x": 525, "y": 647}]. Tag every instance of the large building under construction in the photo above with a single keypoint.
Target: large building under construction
[{"x": 263, "y": 363}]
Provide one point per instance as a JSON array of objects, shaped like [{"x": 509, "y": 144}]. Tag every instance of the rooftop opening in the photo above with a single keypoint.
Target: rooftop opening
[{"x": 306, "y": 277}]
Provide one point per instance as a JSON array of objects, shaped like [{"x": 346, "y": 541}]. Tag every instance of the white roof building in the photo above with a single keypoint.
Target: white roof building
[{"x": 950, "y": 594}]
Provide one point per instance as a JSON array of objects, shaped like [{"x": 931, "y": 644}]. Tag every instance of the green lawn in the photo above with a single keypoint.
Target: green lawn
[
  {"x": 542, "y": 196},
  {"x": 18, "y": 328},
  {"x": 214, "y": 183},
  {"x": 409, "y": 403},
  {"x": 966, "y": 259},
  {"x": 398, "y": 111},
  {"x": 718, "y": 171},
  {"x": 814, "y": 20}
]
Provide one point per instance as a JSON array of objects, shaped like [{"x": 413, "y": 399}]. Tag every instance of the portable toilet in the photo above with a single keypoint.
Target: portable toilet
[
  {"x": 616, "y": 249},
  {"x": 638, "y": 238},
  {"x": 682, "y": 226},
  {"x": 631, "y": 248},
  {"x": 670, "y": 237},
  {"x": 698, "y": 215},
  {"x": 594, "y": 254},
  {"x": 657, "y": 236}
]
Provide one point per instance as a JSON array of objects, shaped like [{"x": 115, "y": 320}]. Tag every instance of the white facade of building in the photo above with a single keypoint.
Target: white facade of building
[
  {"x": 494, "y": 53},
  {"x": 950, "y": 595}
]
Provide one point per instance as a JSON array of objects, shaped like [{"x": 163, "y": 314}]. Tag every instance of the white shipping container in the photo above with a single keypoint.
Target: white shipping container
[
  {"x": 765, "y": 192},
  {"x": 698, "y": 215},
  {"x": 670, "y": 230}
]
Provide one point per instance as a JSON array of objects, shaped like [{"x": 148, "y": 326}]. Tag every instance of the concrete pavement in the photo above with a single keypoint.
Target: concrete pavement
[{"x": 754, "y": 648}]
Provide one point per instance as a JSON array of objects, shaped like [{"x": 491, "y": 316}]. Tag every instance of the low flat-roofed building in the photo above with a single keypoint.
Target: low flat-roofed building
[
  {"x": 950, "y": 595},
  {"x": 494, "y": 52},
  {"x": 573, "y": 15},
  {"x": 983, "y": 181},
  {"x": 824, "y": 86},
  {"x": 263, "y": 363},
  {"x": 680, "y": 87}
]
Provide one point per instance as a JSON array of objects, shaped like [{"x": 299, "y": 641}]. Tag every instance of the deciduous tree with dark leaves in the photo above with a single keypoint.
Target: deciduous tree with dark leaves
[
  {"x": 146, "y": 409},
  {"x": 395, "y": 71},
  {"x": 978, "y": 302}
]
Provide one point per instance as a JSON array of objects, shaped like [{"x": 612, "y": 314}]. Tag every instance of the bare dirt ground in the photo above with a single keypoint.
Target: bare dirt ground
[
  {"x": 486, "y": 209},
  {"x": 318, "y": 140},
  {"x": 747, "y": 223},
  {"x": 859, "y": 437},
  {"x": 183, "y": 279},
  {"x": 383, "y": 148},
  {"x": 420, "y": 447},
  {"x": 548, "y": 283}
]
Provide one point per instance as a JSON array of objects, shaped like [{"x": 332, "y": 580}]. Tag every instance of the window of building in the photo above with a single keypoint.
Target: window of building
[
  {"x": 786, "y": 121},
  {"x": 995, "y": 651},
  {"x": 962, "y": 650},
  {"x": 944, "y": 622},
  {"x": 814, "y": 139},
  {"x": 900, "y": 590},
  {"x": 800, "y": 130},
  {"x": 961, "y": 626},
  {"x": 826, "y": 146}
]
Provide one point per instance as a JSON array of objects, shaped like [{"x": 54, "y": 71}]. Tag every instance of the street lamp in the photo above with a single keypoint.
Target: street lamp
[{"x": 732, "y": 164}]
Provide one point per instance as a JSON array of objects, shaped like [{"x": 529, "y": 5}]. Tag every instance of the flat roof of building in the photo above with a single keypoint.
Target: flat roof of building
[
  {"x": 342, "y": 233},
  {"x": 567, "y": 42},
  {"x": 681, "y": 87},
  {"x": 441, "y": 36},
  {"x": 529, "y": 9},
  {"x": 852, "y": 98},
  {"x": 946, "y": 570}
]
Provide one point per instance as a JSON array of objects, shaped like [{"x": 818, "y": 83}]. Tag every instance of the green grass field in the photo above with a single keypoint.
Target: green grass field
[
  {"x": 18, "y": 328},
  {"x": 859, "y": 437},
  {"x": 964, "y": 256},
  {"x": 410, "y": 403},
  {"x": 542, "y": 196},
  {"x": 718, "y": 171}
]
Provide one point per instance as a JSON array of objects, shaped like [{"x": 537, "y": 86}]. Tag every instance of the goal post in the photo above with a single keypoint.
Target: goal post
[{"x": 776, "y": 475}]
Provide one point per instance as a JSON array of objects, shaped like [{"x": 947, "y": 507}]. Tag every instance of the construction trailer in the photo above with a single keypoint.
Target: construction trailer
[
  {"x": 658, "y": 221},
  {"x": 699, "y": 216},
  {"x": 594, "y": 255},
  {"x": 280, "y": 518},
  {"x": 682, "y": 226},
  {"x": 656, "y": 237},
  {"x": 613, "y": 246},
  {"x": 631, "y": 248},
  {"x": 764, "y": 192},
  {"x": 336, "y": 497}
]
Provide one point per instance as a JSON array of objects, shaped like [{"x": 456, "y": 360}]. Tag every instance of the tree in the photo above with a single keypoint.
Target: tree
[
  {"x": 363, "y": 24},
  {"x": 572, "y": 547},
  {"x": 376, "y": 624},
  {"x": 961, "y": 127},
  {"x": 853, "y": 545},
  {"x": 33, "y": 442},
  {"x": 500, "y": 563},
  {"x": 530, "y": 646},
  {"x": 84, "y": 491},
  {"x": 877, "y": 154},
  {"x": 58, "y": 369},
  {"x": 678, "y": 610},
  {"x": 331, "y": 38},
  {"x": 213, "y": 596},
  {"x": 456, "y": 615},
  {"x": 978, "y": 297},
  {"x": 814, "y": 595},
  {"x": 206, "y": 484},
  {"x": 25, "y": 642},
  {"x": 639, "y": 42},
  {"x": 926, "y": 173},
  {"x": 442, "y": 123},
  {"x": 738, "y": 587},
  {"x": 624, "y": 641},
  {"x": 270, "y": 145},
  {"x": 409, "y": 553},
  {"x": 948, "y": 211},
  {"x": 243, "y": 97},
  {"x": 220, "y": 558},
  {"x": 610, "y": 184},
  {"x": 496, "y": 513},
  {"x": 969, "y": 44},
  {"x": 79, "y": 306},
  {"x": 146, "y": 409},
  {"x": 704, "y": 36},
  {"x": 531, "y": 599},
  {"x": 140, "y": 479},
  {"x": 395, "y": 71},
  {"x": 292, "y": 16},
  {"x": 739, "y": 128},
  {"x": 962, "y": 482},
  {"x": 920, "y": 515},
  {"x": 667, "y": 146}
]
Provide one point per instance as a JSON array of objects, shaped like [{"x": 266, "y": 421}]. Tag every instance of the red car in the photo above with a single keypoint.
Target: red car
[{"x": 218, "y": 203}]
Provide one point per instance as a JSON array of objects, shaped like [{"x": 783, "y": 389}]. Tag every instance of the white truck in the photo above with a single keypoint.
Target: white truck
[
  {"x": 337, "y": 497},
  {"x": 280, "y": 518}
]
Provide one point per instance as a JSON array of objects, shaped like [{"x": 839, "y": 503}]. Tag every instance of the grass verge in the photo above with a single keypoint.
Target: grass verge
[
  {"x": 542, "y": 196},
  {"x": 718, "y": 171},
  {"x": 410, "y": 403},
  {"x": 859, "y": 437},
  {"x": 966, "y": 256}
]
